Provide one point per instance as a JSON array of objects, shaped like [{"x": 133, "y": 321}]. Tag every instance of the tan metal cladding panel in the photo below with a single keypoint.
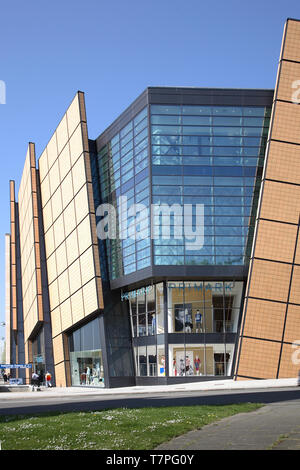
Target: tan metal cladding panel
[
  {"x": 56, "y": 321},
  {"x": 252, "y": 353},
  {"x": 264, "y": 319},
  {"x": 269, "y": 241},
  {"x": 58, "y": 349},
  {"x": 88, "y": 167},
  {"x": 85, "y": 137},
  {"x": 292, "y": 325},
  {"x": 100, "y": 292},
  {"x": 82, "y": 106},
  {"x": 290, "y": 361},
  {"x": 295, "y": 287},
  {"x": 73, "y": 115},
  {"x": 288, "y": 78},
  {"x": 297, "y": 255},
  {"x": 77, "y": 306},
  {"x": 79, "y": 175},
  {"x": 60, "y": 375},
  {"x": 286, "y": 123},
  {"x": 292, "y": 41},
  {"x": 90, "y": 296},
  {"x": 270, "y": 280},
  {"x": 66, "y": 314},
  {"x": 62, "y": 134},
  {"x": 40, "y": 308},
  {"x": 43, "y": 164},
  {"x": 281, "y": 202},
  {"x": 70, "y": 210},
  {"x": 283, "y": 162}
]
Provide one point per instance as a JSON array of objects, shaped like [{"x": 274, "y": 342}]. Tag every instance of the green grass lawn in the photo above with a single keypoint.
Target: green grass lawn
[{"x": 120, "y": 429}]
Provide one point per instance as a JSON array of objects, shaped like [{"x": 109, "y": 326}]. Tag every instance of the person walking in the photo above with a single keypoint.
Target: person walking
[
  {"x": 41, "y": 377},
  {"x": 35, "y": 381},
  {"x": 48, "y": 379}
]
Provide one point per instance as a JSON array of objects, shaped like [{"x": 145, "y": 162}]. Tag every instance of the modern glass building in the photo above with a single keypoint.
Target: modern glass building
[{"x": 156, "y": 253}]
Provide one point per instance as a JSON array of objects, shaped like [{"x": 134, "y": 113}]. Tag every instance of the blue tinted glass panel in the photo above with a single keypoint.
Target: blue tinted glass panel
[
  {"x": 197, "y": 110},
  {"x": 227, "y": 121},
  {"x": 167, "y": 130},
  {"x": 169, "y": 260},
  {"x": 166, "y": 119},
  {"x": 166, "y": 160},
  {"x": 227, "y": 111},
  {"x": 143, "y": 263},
  {"x": 161, "y": 109},
  {"x": 252, "y": 111},
  {"x": 197, "y": 120},
  {"x": 140, "y": 116},
  {"x": 195, "y": 180},
  {"x": 126, "y": 129},
  {"x": 167, "y": 180},
  {"x": 139, "y": 127}
]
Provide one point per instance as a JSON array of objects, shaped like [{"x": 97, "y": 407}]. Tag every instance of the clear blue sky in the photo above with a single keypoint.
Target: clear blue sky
[{"x": 112, "y": 50}]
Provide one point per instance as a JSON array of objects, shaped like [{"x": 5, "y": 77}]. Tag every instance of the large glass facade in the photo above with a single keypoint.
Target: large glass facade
[
  {"x": 124, "y": 172},
  {"x": 209, "y": 308},
  {"x": 198, "y": 168},
  {"x": 38, "y": 354},
  {"x": 195, "y": 360},
  {"x": 204, "y": 307},
  {"x": 86, "y": 361},
  {"x": 147, "y": 311},
  {"x": 210, "y": 156},
  {"x": 201, "y": 323}
]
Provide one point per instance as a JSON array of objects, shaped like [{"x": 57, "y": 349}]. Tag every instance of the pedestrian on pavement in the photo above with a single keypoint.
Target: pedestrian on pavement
[
  {"x": 298, "y": 381},
  {"x": 48, "y": 379},
  {"x": 5, "y": 378},
  {"x": 35, "y": 381},
  {"x": 41, "y": 377}
]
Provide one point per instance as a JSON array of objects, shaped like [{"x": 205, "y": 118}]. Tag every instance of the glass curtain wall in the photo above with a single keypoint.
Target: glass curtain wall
[
  {"x": 38, "y": 354},
  {"x": 124, "y": 173},
  {"x": 201, "y": 313},
  {"x": 210, "y": 156},
  {"x": 146, "y": 310},
  {"x": 86, "y": 355},
  {"x": 147, "y": 320},
  {"x": 206, "y": 308}
]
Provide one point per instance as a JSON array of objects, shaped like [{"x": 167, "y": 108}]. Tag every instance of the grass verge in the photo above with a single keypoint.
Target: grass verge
[{"x": 119, "y": 429}]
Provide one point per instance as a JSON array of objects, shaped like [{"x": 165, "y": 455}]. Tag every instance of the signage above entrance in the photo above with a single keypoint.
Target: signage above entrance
[
  {"x": 15, "y": 366},
  {"x": 135, "y": 293}
]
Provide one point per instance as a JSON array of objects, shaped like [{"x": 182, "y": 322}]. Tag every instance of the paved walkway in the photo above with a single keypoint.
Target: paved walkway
[
  {"x": 7, "y": 392},
  {"x": 275, "y": 426}
]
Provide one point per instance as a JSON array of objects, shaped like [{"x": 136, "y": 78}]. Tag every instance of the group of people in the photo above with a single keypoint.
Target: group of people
[{"x": 38, "y": 379}]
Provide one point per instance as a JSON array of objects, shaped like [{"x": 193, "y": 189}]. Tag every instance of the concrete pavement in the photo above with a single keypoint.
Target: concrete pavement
[
  {"x": 196, "y": 386},
  {"x": 275, "y": 427}
]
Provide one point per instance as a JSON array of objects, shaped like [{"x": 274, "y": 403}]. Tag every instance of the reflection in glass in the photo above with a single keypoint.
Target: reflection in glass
[
  {"x": 203, "y": 308},
  {"x": 198, "y": 307},
  {"x": 188, "y": 360},
  {"x": 86, "y": 355},
  {"x": 212, "y": 146},
  {"x": 38, "y": 354},
  {"x": 160, "y": 308},
  {"x": 142, "y": 361}
]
